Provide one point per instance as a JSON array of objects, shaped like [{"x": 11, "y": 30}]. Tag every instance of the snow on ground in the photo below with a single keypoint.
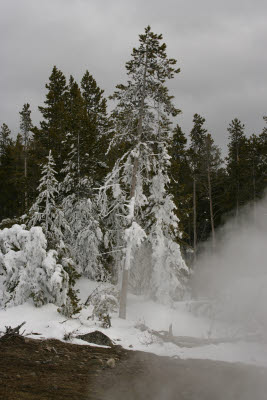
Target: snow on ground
[{"x": 50, "y": 324}]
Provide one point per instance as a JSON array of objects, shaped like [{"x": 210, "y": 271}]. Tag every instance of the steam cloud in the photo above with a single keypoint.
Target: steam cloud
[{"x": 234, "y": 275}]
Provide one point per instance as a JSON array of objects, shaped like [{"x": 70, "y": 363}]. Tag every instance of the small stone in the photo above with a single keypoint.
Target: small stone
[
  {"x": 111, "y": 363},
  {"x": 33, "y": 373}
]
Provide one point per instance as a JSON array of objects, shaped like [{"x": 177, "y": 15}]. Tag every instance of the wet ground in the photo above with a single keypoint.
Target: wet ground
[{"x": 50, "y": 369}]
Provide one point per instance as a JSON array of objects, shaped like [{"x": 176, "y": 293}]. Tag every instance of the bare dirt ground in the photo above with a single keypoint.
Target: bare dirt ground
[{"x": 50, "y": 369}]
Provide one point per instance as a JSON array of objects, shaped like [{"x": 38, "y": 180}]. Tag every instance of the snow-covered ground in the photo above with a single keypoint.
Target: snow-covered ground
[{"x": 50, "y": 324}]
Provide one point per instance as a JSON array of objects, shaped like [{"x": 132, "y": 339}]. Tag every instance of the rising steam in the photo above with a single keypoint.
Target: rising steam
[{"x": 234, "y": 275}]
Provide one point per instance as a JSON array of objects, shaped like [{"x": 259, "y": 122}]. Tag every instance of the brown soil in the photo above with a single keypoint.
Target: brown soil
[{"x": 50, "y": 369}]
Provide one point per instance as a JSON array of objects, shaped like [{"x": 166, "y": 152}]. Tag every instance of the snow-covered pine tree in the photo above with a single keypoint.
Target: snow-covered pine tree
[
  {"x": 169, "y": 271},
  {"x": 45, "y": 212},
  {"x": 84, "y": 236},
  {"x": 141, "y": 122}
]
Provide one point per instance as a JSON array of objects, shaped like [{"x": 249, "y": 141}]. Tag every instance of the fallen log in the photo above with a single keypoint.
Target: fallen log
[
  {"x": 190, "y": 342},
  {"x": 11, "y": 332}
]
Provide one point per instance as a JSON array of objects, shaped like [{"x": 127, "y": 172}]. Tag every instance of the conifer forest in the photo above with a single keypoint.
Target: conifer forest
[
  {"x": 133, "y": 200},
  {"x": 119, "y": 194}
]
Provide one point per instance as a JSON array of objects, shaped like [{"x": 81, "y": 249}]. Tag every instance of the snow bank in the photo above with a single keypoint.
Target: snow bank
[{"x": 50, "y": 324}]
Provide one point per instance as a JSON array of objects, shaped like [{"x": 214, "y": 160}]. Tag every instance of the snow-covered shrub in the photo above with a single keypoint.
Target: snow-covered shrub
[
  {"x": 29, "y": 270},
  {"x": 72, "y": 305},
  {"x": 105, "y": 302},
  {"x": 9, "y": 222}
]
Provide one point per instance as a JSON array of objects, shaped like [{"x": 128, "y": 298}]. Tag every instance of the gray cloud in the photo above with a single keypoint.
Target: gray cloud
[{"x": 220, "y": 47}]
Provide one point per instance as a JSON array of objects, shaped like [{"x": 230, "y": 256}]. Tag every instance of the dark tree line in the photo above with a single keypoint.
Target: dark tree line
[
  {"x": 209, "y": 189},
  {"x": 75, "y": 126}
]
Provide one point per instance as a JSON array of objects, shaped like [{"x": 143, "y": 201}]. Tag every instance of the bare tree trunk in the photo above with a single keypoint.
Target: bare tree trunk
[
  {"x": 237, "y": 201},
  {"x": 123, "y": 294},
  {"x": 195, "y": 217},
  {"x": 78, "y": 164},
  {"x": 127, "y": 260},
  {"x": 211, "y": 210},
  {"x": 254, "y": 191},
  {"x": 25, "y": 176},
  {"x": 237, "y": 185}
]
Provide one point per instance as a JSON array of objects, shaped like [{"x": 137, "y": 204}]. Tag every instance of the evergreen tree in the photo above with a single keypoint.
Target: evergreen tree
[
  {"x": 81, "y": 141},
  {"x": 256, "y": 167},
  {"x": 5, "y": 140},
  {"x": 6, "y": 168},
  {"x": 96, "y": 104},
  {"x": 263, "y": 157},
  {"x": 25, "y": 128},
  {"x": 45, "y": 212},
  {"x": 197, "y": 136},
  {"x": 96, "y": 107},
  {"x": 180, "y": 183},
  {"x": 166, "y": 283},
  {"x": 141, "y": 120},
  {"x": 236, "y": 164},
  {"x": 210, "y": 166},
  {"x": 52, "y": 133},
  {"x": 17, "y": 177},
  {"x": 84, "y": 236}
]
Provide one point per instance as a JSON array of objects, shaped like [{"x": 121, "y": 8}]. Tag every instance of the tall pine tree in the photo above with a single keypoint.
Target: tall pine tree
[
  {"x": 25, "y": 129},
  {"x": 53, "y": 127},
  {"x": 197, "y": 136},
  {"x": 236, "y": 165},
  {"x": 140, "y": 175}
]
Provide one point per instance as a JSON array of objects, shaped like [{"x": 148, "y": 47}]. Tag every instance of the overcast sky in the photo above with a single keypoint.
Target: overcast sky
[{"x": 220, "y": 47}]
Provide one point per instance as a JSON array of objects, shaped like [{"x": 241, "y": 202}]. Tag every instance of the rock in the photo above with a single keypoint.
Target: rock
[
  {"x": 96, "y": 337},
  {"x": 111, "y": 363}
]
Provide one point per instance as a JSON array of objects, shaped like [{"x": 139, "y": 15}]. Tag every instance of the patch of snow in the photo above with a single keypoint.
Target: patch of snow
[{"x": 50, "y": 324}]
